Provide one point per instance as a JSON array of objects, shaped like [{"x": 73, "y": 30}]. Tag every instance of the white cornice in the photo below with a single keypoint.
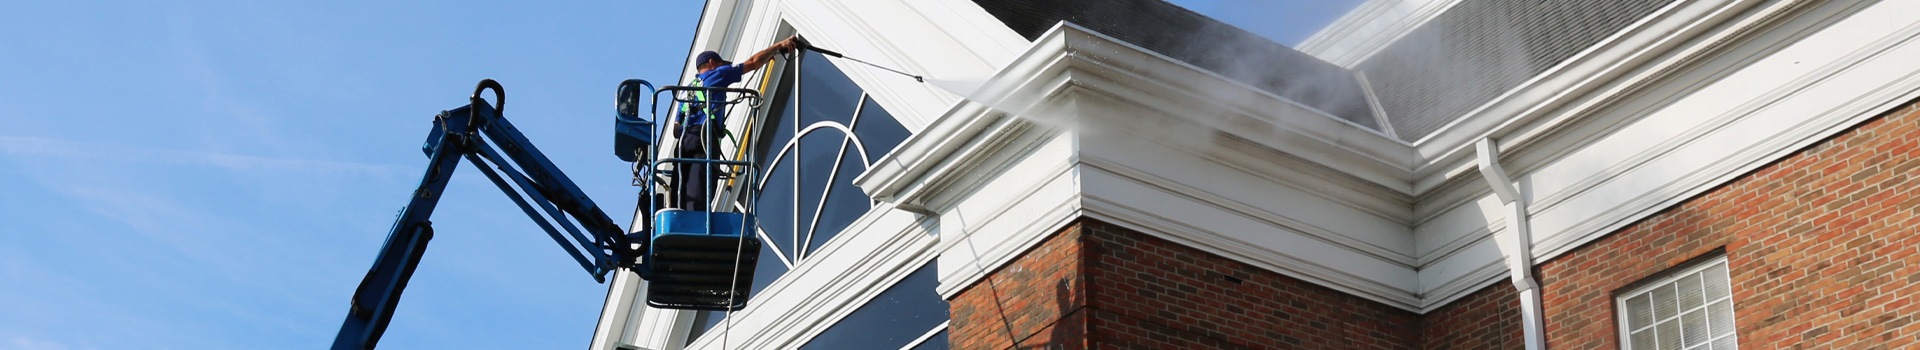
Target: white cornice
[
  {"x": 996, "y": 170},
  {"x": 1069, "y": 56}
]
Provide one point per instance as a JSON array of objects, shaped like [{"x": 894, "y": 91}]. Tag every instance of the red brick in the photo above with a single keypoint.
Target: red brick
[{"x": 1814, "y": 244}]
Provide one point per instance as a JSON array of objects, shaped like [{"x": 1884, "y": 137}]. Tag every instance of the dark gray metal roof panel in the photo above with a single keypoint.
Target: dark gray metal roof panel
[{"x": 1480, "y": 49}]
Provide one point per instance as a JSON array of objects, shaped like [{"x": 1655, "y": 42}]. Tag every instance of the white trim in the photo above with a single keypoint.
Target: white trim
[{"x": 925, "y": 337}]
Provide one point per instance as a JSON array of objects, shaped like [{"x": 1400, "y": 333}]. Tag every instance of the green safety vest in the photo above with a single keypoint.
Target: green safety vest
[{"x": 687, "y": 108}]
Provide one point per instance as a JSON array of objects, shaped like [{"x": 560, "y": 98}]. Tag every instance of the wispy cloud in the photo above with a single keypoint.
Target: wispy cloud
[
  {"x": 35, "y": 146},
  {"x": 23, "y": 343}
]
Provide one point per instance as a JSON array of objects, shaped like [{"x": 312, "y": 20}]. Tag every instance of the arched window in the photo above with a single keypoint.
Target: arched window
[{"x": 808, "y": 162}]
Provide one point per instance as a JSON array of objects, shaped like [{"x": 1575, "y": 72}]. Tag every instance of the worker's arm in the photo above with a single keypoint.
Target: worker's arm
[{"x": 766, "y": 55}]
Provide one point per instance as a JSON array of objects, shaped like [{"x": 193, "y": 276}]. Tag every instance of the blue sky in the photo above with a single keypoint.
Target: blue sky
[
  {"x": 1284, "y": 21},
  {"x": 219, "y": 174}
]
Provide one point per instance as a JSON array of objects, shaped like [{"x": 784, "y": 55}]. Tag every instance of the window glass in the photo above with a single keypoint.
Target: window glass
[
  {"x": 819, "y": 156},
  {"x": 1691, "y": 309},
  {"x": 901, "y": 314},
  {"x": 845, "y": 202},
  {"x": 878, "y": 130},
  {"x": 704, "y": 321},
  {"x": 825, "y": 92}
]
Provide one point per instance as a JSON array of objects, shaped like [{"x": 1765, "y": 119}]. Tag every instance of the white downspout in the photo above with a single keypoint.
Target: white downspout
[{"x": 1516, "y": 242}]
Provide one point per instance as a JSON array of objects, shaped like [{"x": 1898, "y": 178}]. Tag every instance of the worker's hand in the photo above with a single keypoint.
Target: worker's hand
[{"x": 788, "y": 45}]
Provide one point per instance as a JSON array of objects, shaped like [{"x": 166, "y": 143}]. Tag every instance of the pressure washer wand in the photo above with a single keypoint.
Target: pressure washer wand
[{"x": 809, "y": 46}]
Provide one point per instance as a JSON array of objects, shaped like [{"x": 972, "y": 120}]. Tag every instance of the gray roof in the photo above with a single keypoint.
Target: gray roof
[
  {"x": 1480, "y": 49},
  {"x": 1439, "y": 72}
]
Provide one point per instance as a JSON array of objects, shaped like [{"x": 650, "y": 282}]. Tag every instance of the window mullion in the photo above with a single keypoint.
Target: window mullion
[{"x": 833, "y": 175}]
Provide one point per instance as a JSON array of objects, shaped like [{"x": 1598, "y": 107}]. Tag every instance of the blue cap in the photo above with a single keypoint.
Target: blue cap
[{"x": 707, "y": 56}]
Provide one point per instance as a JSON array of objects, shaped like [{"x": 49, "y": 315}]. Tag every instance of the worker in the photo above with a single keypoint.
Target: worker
[{"x": 702, "y": 123}]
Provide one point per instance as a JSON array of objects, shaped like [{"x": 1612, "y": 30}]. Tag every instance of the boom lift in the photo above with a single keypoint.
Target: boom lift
[{"x": 696, "y": 260}]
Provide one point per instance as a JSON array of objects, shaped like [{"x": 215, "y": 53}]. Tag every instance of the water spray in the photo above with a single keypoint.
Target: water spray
[{"x": 809, "y": 46}]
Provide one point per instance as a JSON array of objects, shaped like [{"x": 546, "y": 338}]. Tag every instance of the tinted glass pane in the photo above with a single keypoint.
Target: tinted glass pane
[
  {"x": 937, "y": 342},
  {"x": 1693, "y": 327},
  {"x": 899, "y": 315},
  {"x": 1720, "y": 316},
  {"x": 845, "y": 203},
  {"x": 819, "y": 151},
  {"x": 1663, "y": 303},
  {"x": 1690, "y": 294},
  {"x": 776, "y": 207},
  {"x": 1639, "y": 312},
  {"x": 704, "y": 321},
  {"x": 825, "y": 92},
  {"x": 1716, "y": 282},
  {"x": 776, "y": 203},
  {"x": 1669, "y": 334},
  {"x": 778, "y": 126},
  {"x": 878, "y": 131}
]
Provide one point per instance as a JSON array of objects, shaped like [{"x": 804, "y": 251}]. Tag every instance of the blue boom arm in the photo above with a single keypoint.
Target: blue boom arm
[{"x": 525, "y": 175}]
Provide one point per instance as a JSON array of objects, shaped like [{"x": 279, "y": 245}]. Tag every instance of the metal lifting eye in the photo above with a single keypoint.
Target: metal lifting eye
[{"x": 499, "y": 95}]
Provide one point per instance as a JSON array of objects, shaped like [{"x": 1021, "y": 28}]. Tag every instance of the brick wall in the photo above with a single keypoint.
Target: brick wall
[
  {"x": 1105, "y": 287},
  {"x": 1037, "y": 299},
  {"x": 1821, "y": 246},
  {"x": 1487, "y": 319}
]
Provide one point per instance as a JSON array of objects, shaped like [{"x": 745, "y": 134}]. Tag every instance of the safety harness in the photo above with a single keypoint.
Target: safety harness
[{"x": 703, "y": 104}]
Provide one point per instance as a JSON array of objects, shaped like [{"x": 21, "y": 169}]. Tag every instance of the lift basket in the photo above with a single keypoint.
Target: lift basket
[{"x": 701, "y": 260}]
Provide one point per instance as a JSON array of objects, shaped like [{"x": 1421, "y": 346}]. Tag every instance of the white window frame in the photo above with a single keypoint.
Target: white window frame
[{"x": 1673, "y": 276}]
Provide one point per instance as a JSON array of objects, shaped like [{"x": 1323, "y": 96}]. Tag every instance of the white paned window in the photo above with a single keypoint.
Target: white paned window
[{"x": 1691, "y": 309}]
